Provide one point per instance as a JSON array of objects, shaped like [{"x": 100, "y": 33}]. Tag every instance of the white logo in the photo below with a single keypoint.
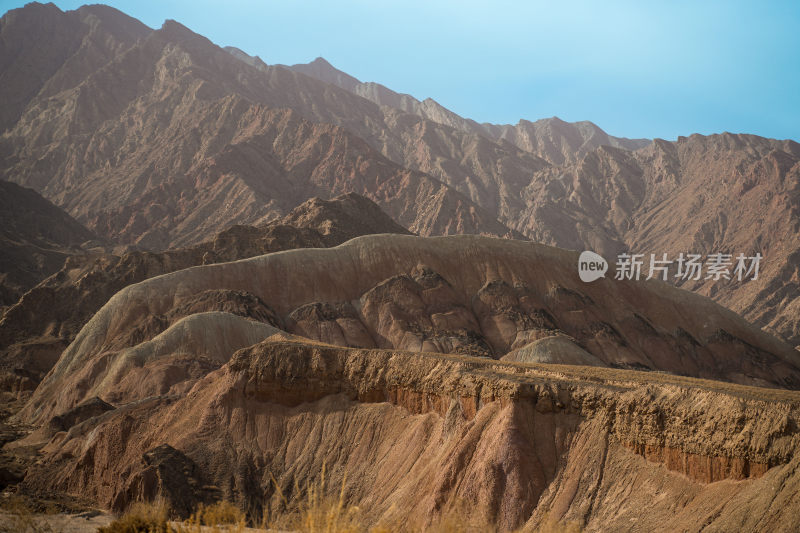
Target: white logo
[
  {"x": 591, "y": 266},
  {"x": 688, "y": 267}
]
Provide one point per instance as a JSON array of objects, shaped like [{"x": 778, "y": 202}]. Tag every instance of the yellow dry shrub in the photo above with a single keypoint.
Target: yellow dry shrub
[
  {"x": 142, "y": 517},
  {"x": 220, "y": 517}
]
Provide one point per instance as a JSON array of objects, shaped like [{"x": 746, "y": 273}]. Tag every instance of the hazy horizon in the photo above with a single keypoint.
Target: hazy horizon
[{"x": 634, "y": 70}]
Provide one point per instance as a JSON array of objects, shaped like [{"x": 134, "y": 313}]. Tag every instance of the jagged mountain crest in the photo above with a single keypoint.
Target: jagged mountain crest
[{"x": 584, "y": 189}]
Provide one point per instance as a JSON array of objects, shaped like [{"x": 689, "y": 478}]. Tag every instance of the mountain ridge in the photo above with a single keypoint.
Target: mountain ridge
[
  {"x": 524, "y": 135},
  {"x": 318, "y": 275},
  {"x": 45, "y": 320},
  {"x": 457, "y": 426},
  {"x": 202, "y": 152}
]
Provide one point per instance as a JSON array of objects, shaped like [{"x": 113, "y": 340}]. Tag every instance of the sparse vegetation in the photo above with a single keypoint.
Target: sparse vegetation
[
  {"x": 220, "y": 517},
  {"x": 153, "y": 517},
  {"x": 314, "y": 510},
  {"x": 18, "y": 517},
  {"x": 142, "y": 518},
  {"x": 458, "y": 518},
  {"x": 315, "y": 513}
]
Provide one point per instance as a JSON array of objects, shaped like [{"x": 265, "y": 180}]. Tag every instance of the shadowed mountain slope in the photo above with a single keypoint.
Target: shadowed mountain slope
[
  {"x": 161, "y": 138},
  {"x": 36, "y": 238},
  {"x": 35, "y": 330},
  {"x": 173, "y": 139},
  {"x": 410, "y": 432},
  {"x": 460, "y": 294}
]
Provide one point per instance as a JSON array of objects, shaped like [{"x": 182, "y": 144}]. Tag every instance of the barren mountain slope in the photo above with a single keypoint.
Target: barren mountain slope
[
  {"x": 461, "y": 294},
  {"x": 608, "y": 198},
  {"x": 36, "y": 238},
  {"x": 221, "y": 401},
  {"x": 703, "y": 194},
  {"x": 36, "y": 329},
  {"x": 409, "y": 434},
  {"x": 419, "y": 135},
  {"x": 44, "y": 51},
  {"x": 557, "y": 141},
  {"x": 551, "y": 139},
  {"x": 416, "y": 372},
  {"x": 734, "y": 194},
  {"x": 171, "y": 141},
  {"x": 383, "y": 96}
]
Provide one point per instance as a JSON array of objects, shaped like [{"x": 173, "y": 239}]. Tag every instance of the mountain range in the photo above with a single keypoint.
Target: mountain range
[
  {"x": 221, "y": 276},
  {"x": 161, "y": 138}
]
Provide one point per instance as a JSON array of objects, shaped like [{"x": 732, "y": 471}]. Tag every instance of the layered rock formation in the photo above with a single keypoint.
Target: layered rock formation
[
  {"x": 420, "y": 374},
  {"x": 415, "y": 432},
  {"x": 459, "y": 294},
  {"x": 161, "y": 138},
  {"x": 35, "y": 330},
  {"x": 201, "y": 366}
]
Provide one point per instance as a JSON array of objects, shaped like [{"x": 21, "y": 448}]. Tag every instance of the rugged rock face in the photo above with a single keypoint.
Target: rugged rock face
[
  {"x": 187, "y": 386},
  {"x": 461, "y": 294},
  {"x": 420, "y": 373},
  {"x": 161, "y": 138},
  {"x": 377, "y": 93},
  {"x": 78, "y": 43},
  {"x": 731, "y": 194},
  {"x": 36, "y": 238},
  {"x": 171, "y": 139},
  {"x": 560, "y": 142},
  {"x": 551, "y": 139},
  {"x": 35, "y": 330},
  {"x": 416, "y": 431},
  {"x": 719, "y": 194}
]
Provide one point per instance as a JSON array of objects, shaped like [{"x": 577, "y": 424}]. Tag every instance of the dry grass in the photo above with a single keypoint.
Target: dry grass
[
  {"x": 315, "y": 509},
  {"x": 142, "y": 517},
  {"x": 459, "y": 517},
  {"x": 220, "y": 517},
  {"x": 153, "y": 517},
  {"x": 18, "y": 517}
]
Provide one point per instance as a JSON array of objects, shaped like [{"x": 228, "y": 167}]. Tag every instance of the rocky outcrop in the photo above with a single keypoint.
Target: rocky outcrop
[
  {"x": 171, "y": 139},
  {"x": 461, "y": 294},
  {"x": 414, "y": 432},
  {"x": 88, "y": 409},
  {"x": 553, "y": 349},
  {"x": 36, "y": 329},
  {"x": 245, "y": 142}
]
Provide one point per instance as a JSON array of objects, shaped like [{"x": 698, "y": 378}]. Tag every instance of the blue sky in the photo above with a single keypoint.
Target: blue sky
[{"x": 636, "y": 68}]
